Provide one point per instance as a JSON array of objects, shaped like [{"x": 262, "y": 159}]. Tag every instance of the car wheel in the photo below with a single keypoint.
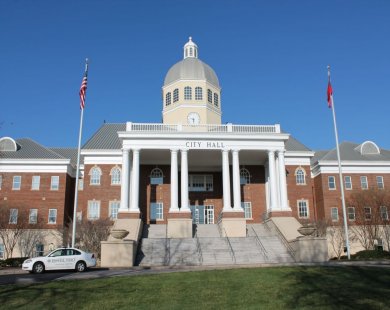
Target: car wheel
[
  {"x": 38, "y": 267},
  {"x": 80, "y": 266}
]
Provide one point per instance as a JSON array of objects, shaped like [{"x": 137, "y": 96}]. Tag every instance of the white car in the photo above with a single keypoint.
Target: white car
[{"x": 62, "y": 258}]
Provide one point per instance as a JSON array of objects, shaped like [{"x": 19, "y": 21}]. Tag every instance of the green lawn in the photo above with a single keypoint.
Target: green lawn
[{"x": 260, "y": 288}]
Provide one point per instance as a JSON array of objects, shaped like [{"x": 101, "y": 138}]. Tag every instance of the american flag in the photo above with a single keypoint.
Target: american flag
[{"x": 83, "y": 90}]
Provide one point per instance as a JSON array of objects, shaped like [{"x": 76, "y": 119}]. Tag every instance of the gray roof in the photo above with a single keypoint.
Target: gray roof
[
  {"x": 293, "y": 145},
  {"x": 348, "y": 152},
  {"x": 69, "y": 153},
  {"x": 29, "y": 149},
  {"x": 106, "y": 138},
  {"x": 191, "y": 69}
]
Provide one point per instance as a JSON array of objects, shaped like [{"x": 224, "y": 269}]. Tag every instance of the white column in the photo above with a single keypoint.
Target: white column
[
  {"x": 282, "y": 182},
  {"x": 184, "y": 181},
  {"x": 226, "y": 181},
  {"x": 272, "y": 179},
  {"x": 174, "y": 183},
  {"x": 125, "y": 180},
  {"x": 134, "y": 206},
  {"x": 236, "y": 182}
]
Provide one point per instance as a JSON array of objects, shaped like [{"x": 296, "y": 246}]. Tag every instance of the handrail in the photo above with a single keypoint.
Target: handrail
[
  {"x": 167, "y": 247},
  {"x": 289, "y": 248},
  {"x": 230, "y": 247},
  {"x": 262, "y": 248},
  {"x": 199, "y": 248}
]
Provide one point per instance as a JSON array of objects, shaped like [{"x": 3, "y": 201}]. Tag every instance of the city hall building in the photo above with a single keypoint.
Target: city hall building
[{"x": 190, "y": 171}]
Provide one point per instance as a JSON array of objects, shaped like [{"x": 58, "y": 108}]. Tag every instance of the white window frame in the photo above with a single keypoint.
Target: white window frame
[
  {"x": 2, "y": 251},
  {"x": 93, "y": 204},
  {"x": 367, "y": 213},
  {"x": 351, "y": 211},
  {"x": 300, "y": 176},
  {"x": 187, "y": 93},
  {"x": 379, "y": 182},
  {"x": 55, "y": 183},
  {"x": 334, "y": 182},
  {"x": 1, "y": 181},
  {"x": 364, "y": 182},
  {"x": 198, "y": 93},
  {"x": 16, "y": 185},
  {"x": 334, "y": 215},
  {"x": 35, "y": 182},
  {"x": 245, "y": 176},
  {"x": 52, "y": 216},
  {"x": 247, "y": 207},
  {"x": 116, "y": 176},
  {"x": 205, "y": 184},
  {"x": 384, "y": 212},
  {"x": 156, "y": 176},
  {"x": 81, "y": 184},
  {"x": 303, "y": 203},
  {"x": 95, "y": 176},
  {"x": 114, "y": 208},
  {"x": 348, "y": 184},
  {"x": 33, "y": 216},
  {"x": 13, "y": 216}
]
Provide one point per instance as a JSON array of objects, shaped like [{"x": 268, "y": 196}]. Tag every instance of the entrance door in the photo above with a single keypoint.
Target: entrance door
[
  {"x": 209, "y": 214},
  {"x": 202, "y": 214}
]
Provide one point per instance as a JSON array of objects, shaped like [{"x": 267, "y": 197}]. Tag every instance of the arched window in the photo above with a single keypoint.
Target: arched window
[
  {"x": 300, "y": 176},
  {"x": 198, "y": 93},
  {"x": 115, "y": 176},
  {"x": 245, "y": 177},
  {"x": 187, "y": 93},
  {"x": 209, "y": 96},
  {"x": 176, "y": 95},
  {"x": 168, "y": 98},
  {"x": 216, "y": 99},
  {"x": 95, "y": 174},
  {"x": 156, "y": 176}
]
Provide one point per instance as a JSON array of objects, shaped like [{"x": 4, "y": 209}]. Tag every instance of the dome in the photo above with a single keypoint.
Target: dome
[{"x": 191, "y": 68}]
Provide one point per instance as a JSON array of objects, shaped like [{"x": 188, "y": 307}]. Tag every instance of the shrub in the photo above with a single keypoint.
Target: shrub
[
  {"x": 371, "y": 254},
  {"x": 13, "y": 262}
]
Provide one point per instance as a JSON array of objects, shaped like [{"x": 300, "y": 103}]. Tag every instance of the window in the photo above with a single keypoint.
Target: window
[
  {"x": 384, "y": 213},
  {"x": 216, "y": 99},
  {"x": 300, "y": 176},
  {"x": 175, "y": 95},
  {"x": 347, "y": 182},
  {"x": 55, "y": 182},
  {"x": 115, "y": 176},
  {"x": 303, "y": 211},
  {"x": 331, "y": 182},
  {"x": 81, "y": 184},
  {"x": 351, "y": 213},
  {"x": 367, "y": 213},
  {"x": 335, "y": 214},
  {"x": 200, "y": 183},
  {"x": 52, "y": 216},
  {"x": 95, "y": 174},
  {"x": 379, "y": 182},
  {"x": 245, "y": 177},
  {"x": 13, "y": 216},
  {"x": 156, "y": 211},
  {"x": 36, "y": 180},
  {"x": 1, "y": 181},
  {"x": 247, "y": 206},
  {"x": 39, "y": 249},
  {"x": 187, "y": 93},
  {"x": 363, "y": 182},
  {"x": 168, "y": 99},
  {"x": 1, "y": 250},
  {"x": 114, "y": 207},
  {"x": 209, "y": 96},
  {"x": 93, "y": 210},
  {"x": 33, "y": 216},
  {"x": 156, "y": 176},
  {"x": 198, "y": 93},
  {"x": 17, "y": 181}
]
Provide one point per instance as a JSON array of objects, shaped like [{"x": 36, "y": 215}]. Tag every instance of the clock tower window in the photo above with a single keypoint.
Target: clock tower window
[
  {"x": 168, "y": 98},
  {"x": 216, "y": 99},
  {"x": 209, "y": 96},
  {"x": 187, "y": 93},
  {"x": 198, "y": 93},
  {"x": 176, "y": 95}
]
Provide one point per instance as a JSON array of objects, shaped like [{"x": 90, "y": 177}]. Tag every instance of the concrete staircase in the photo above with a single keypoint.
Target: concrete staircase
[{"x": 262, "y": 245}]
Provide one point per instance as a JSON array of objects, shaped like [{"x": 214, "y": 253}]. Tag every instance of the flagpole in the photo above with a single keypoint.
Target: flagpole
[
  {"x": 78, "y": 168},
  {"x": 340, "y": 171}
]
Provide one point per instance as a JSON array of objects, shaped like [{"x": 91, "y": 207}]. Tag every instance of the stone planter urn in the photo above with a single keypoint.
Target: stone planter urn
[
  {"x": 307, "y": 230},
  {"x": 119, "y": 233}
]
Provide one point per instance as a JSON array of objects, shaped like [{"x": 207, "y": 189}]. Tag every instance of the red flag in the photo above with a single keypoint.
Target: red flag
[
  {"x": 83, "y": 90},
  {"x": 330, "y": 95}
]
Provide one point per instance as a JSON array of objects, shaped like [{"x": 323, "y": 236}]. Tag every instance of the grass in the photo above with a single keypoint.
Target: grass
[{"x": 261, "y": 288}]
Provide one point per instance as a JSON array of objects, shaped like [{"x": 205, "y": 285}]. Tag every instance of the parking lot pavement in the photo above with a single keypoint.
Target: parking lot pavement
[{"x": 23, "y": 277}]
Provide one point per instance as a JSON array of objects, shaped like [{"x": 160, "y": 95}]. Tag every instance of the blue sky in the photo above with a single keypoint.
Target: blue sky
[{"x": 270, "y": 57}]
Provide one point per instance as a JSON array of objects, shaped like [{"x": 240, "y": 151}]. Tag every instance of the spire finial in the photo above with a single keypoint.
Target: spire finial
[{"x": 190, "y": 39}]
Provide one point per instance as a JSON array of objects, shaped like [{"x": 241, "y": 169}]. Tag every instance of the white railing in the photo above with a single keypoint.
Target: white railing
[{"x": 209, "y": 128}]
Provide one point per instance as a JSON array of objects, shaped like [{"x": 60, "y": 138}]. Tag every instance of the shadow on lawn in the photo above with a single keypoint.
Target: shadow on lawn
[{"x": 340, "y": 288}]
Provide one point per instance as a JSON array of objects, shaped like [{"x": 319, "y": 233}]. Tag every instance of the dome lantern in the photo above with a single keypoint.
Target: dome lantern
[{"x": 190, "y": 49}]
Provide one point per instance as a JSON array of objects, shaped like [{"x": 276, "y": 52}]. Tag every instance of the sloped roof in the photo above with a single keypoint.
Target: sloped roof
[
  {"x": 106, "y": 138},
  {"x": 294, "y": 145},
  {"x": 29, "y": 149},
  {"x": 69, "y": 153},
  {"x": 348, "y": 152}
]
